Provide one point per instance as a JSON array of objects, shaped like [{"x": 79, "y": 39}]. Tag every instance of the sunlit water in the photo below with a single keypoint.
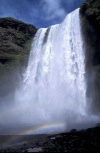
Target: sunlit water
[{"x": 52, "y": 95}]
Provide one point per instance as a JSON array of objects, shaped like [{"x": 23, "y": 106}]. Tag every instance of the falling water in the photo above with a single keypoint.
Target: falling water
[
  {"x": 53, "y": 93},
  {"x": 54, "y": 82}
]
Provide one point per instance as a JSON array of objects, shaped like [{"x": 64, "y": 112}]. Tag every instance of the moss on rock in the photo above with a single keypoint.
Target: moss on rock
[
  {"x": 15, "y": 37},
  {"x": 15, "y": 43}
]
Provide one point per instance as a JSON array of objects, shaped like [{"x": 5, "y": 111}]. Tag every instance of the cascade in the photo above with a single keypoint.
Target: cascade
[
  {"x": 54, "y": 83},
  {"x": 52, "y": 95}
]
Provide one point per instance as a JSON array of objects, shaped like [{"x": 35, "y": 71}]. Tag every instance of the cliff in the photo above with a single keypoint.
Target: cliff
[
  {"x": 90, "y": 22},
  {"x": 91, "y": 10},
  {"x": 15, "y": 43},
  {"x": 15, "y": 38}
]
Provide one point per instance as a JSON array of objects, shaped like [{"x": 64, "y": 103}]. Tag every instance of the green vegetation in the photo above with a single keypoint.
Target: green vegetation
[
  {"x": 15, "y": 43},
  {"x": 15, "y": 38}
]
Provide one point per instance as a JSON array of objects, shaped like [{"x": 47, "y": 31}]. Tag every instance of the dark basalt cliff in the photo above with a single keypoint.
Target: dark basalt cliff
[
  {"x": 91, "y": 10},
  {"x": 15, "y": 43},
  {"x": 90, "y": 21}
]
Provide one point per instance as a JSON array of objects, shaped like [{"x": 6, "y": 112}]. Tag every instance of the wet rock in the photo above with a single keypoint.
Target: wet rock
[
  {"x": 80, "y": 141},
  {"x": 34, "y": 149}
]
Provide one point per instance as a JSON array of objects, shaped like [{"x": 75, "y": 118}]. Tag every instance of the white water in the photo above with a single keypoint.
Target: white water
[
  {"x": 53, "y": 93},
  {"x": 54, "y": 83}
]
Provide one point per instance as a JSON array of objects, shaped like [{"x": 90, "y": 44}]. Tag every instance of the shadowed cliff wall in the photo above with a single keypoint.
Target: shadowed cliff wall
[{"x": 90, "y": 21}]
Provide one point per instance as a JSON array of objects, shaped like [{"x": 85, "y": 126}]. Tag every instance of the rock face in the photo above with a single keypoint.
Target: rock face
[
  {"x": 15, "y": 43},
  {"x": 15, "y": 37},
  {"x": 90, "y": 17},
  {"x": 91, "y": 9}
]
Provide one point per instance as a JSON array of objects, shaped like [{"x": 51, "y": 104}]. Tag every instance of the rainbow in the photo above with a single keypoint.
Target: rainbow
[{"x": 42, "y": 129}]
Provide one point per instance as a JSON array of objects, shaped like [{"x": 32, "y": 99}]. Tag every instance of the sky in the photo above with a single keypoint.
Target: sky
[{"x": 41, "y": 13}]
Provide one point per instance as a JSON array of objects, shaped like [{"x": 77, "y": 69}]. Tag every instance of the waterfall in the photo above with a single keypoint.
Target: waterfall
[
  {"x": 54, "y": 83},
  {"x": 52, "y": 95}
]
